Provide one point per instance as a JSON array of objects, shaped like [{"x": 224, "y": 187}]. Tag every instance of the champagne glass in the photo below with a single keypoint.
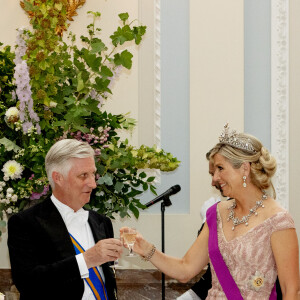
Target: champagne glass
[
  {"x": 129, "y": 235},
  {"x": 116, "y": 265}
]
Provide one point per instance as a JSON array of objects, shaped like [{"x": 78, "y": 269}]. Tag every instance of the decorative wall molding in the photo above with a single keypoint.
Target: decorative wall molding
[
  {"x": 157, "y": 84},
  {"x": 157, "y": 72},
  {"x": 149, "y": 118},
  {"x": 280, "y": 97}
]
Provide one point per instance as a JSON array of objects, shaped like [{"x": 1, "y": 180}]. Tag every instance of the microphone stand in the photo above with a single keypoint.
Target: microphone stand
[{"x": 166, "y": 202}]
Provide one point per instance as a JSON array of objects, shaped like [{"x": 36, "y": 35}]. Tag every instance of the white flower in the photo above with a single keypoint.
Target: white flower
[
  {"x": 12, "y": 169},
  {"x": 9, "y": 211},
  {"x": 14, "y": 198},
  {"x": 2, "y": 183},
  {"x": 12, "y": 114},
  {"x": 9, "y": 191},
  {"x": 52, "y": 104}
]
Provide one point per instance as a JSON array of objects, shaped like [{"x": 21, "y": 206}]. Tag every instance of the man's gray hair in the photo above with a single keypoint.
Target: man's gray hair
[{"x": 59, "y": 155}]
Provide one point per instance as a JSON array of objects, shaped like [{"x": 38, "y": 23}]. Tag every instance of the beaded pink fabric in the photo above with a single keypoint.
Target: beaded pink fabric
[{"x": 250, "y": 259}]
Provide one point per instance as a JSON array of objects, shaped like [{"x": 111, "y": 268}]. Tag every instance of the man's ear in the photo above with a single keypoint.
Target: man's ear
[{"x": 57, "y": 178}]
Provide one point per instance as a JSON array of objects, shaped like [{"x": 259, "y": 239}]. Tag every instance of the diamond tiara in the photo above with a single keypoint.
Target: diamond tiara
[{"x": 232, "y": 139}]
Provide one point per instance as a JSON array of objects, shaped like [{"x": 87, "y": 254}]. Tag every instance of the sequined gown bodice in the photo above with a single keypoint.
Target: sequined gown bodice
[{"x": 249, "y": 258}]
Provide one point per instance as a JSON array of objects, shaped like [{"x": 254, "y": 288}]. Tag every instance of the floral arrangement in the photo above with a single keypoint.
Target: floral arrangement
[{"x": 51, "y": 90}]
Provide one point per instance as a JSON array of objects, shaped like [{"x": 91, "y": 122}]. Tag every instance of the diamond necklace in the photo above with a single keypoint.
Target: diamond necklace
[{"x": 236, "y": 221}]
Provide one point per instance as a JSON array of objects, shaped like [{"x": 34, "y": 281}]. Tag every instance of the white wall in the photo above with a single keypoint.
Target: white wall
[{"x": 294, "y": 121}]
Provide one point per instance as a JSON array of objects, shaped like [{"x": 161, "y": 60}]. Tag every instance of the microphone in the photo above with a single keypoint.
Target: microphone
[{"x": 171, "y": 191}]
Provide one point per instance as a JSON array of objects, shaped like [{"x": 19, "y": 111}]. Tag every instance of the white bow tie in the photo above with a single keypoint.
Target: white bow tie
[{"x": 78, "y": 218}]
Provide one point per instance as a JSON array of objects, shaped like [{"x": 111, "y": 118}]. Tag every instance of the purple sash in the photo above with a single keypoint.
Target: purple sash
[{"x": 228, "y": 284}]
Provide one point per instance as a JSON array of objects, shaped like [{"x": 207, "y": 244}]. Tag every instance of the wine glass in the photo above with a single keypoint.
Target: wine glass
[
  {"x": 129, "y": 235},
  {"x": 116, "y": 265}
]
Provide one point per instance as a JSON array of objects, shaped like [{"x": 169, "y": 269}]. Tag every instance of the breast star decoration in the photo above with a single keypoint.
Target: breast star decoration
[{"x": 256, "y": 281}]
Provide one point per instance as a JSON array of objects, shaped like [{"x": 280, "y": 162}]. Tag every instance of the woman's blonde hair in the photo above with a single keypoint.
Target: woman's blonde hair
[{"x": 262, "y": 163}]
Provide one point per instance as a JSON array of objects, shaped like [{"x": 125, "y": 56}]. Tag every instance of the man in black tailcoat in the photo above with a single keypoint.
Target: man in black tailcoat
[{"x": 44, "y": 261}]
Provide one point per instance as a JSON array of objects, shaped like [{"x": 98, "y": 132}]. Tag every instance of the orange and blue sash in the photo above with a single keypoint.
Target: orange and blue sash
[{"x": 94, "y": 280}]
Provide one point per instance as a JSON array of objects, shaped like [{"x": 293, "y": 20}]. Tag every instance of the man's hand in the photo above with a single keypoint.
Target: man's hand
[{"x": 104, "y": 251}]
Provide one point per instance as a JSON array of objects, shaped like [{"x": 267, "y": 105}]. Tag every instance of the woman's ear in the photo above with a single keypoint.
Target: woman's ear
[{"x": 246, "y": 168}]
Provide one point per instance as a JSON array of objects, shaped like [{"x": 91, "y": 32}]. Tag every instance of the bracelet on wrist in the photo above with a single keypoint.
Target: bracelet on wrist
[{"x": 149, "y": 255}]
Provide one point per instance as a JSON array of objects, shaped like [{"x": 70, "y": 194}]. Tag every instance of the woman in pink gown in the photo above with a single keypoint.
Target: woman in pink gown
[{"x": 248, "y": 240}]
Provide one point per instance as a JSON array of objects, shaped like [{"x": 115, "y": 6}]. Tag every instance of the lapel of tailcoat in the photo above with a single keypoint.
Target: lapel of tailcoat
[{"x": 52, "y": 222}]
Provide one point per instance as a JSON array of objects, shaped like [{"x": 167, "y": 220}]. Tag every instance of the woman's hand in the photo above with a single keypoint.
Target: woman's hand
[{"x": 141, "y": 246}]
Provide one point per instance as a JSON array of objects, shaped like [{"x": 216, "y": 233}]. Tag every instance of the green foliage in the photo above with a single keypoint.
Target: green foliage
[
  {"x": 69, "y": 87},
  {"x": 6, "y": 74}
]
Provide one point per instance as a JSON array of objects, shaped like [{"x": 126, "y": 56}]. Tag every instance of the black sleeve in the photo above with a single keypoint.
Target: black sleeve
[{"x": 203, "y": 285}]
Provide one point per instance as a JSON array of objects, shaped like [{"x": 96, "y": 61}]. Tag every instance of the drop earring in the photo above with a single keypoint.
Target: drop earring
[{"x": 244, "y": 181}]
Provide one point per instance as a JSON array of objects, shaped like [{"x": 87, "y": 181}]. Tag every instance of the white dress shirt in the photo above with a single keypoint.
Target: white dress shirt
[{"x": 77, "y": 224}]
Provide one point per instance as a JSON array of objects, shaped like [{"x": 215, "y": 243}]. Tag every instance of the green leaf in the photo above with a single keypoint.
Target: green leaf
[
  {"x": 70, "y": 100},
  {"x": 82, "y": 129},
  {"x": 124, "y": 16},
  {"x": 58, "y": 6},
  {"x": 96, "y": 14},
  {"x": 80, "y": 65},
  {"x": 101, "y": 170},
  {"x": 106, "y": 72},
  {"x": 123, "y": 212},
  {"x": 101, "y": 84},
  {"x": 106, "y": 179},
  {"x": 43, "y": 9},
  {"x": 80, "y": 83},
  {"x": 93, "y": 107},
  {"x": 140, "y": 205},
  {"x": 152, "y": 189},
  {"x": 97, "y": 47},
  {"x": 9, "y": 145},
  {"x": 138, "y": 33},
  {"x": 150, "y": 179},
  {"x": 122, "y": 35},
  {"x": 124, "y": 59},
  {"x": 43, "y": 65},
  {"x": 22, "y": 204},
  {"x": 59, "y": 123},
  {"x": 145, "y": 186},
  {"x": 134, "y": 210},
  {"x": 118, "y": 186},
  {"x": 29, "y": 7},
  {"x": 92, "y": 61},
  {"x": 143, "y": 175},
  {"x": 133, "y": 193}
]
